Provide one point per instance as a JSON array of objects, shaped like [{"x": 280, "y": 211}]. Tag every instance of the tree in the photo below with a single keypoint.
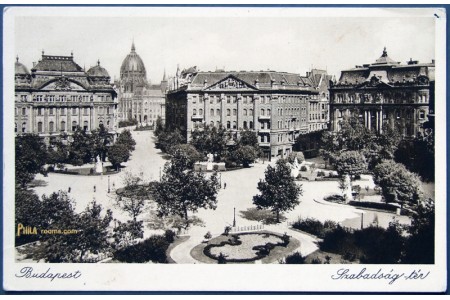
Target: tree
[
  {"x": 31, "y": 156},
  {"x": 210, "y": 139},
  {"x": 293, "y": 155},
  {"x": 244, "y": 155},
  {"x": 182, "y": 190},
  {"x": 117, "y": 154},
  {"x": 58, "y": 151},
  {"x": 125, "y": 138},
  {"x": 167, "y": 140},
  {"x": 279, "y": 190},
  {"x": 420, "y": 244},
  {"x": 28, "y": 212},
  {"x": 191, "y": 153},
  {"x": 397, "y": 183},
  {"x": 159, "y": 127},
  {"x": 81, "y": 149},
  {"x": 343, "y": 186},
  {"x": 91, "y": 236},
  {"x": 131, "y": 199},
  {"x": 350, "y": 162},
  {"x": 248, "y": 138},
  {"x": 101, "y": 140}
]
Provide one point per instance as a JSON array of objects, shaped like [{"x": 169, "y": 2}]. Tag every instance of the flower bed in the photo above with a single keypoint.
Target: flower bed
[{"x": 245, "y": 247}]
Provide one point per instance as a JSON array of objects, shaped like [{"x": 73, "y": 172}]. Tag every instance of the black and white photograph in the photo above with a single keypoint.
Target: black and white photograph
[{"x": 304, "y": 148}]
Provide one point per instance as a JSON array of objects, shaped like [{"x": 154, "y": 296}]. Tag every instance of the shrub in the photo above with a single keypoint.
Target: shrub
[
  {"x": 127, "y": 123},
  {"x": 295, "y": 258},
  {"x": 303, "y": 168},
  {"x": 321, "y": 173},
  {"x": 208, "y": 235},
  {"x": 338, "y": 240},
  {"x": 335, "y": 198},
  {"x": 154, "y": 249},
  {"x": 169, "y": 235},
  {"x": 314, "y": 226}
]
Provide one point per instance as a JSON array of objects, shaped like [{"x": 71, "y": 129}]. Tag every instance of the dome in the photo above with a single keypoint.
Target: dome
[
  {"x": 20, "y": 68},
  {"x": 133, "y": 65},
  {"x": 98, "y": 71}
]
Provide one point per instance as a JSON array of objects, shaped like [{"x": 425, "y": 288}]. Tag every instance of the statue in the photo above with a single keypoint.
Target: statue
[
  {"x": 98, "y": 165},
  {"x": 209, "y": 164}
]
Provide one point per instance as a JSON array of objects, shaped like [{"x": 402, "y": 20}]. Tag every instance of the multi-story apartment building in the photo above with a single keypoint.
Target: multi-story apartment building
[
  {"x": 58, "y": 95},
  {"x": 385, "y": 93},
  {"x": 272, "y": 104}
]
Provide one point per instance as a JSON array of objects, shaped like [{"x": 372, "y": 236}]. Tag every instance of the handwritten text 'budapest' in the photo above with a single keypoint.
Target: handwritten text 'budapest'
[
  {"x": 391, "y": 276},
  {"x": 28, "y": 272}
]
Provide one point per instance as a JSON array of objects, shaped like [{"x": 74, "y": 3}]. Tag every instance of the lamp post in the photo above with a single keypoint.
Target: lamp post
[
  {"x": 159, "y": 173},
  {"x": 234, "y": 216},
  {"x": 362, "y": 220},
  {"x": 220, "y": 179},
  {"x": 109, "y": 190}
]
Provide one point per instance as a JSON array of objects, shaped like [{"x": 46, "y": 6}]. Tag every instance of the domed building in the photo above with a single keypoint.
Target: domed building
[
  {"x": 138, "y": 99},
  {"x": 58, "y": 96}
]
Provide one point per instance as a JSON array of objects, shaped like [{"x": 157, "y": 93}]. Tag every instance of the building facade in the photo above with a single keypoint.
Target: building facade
[
  {"x": 385, "y": 93},
  {"x": 138, "y": 98},
  {"x": 272, "y": 104},
  {"x": 318, "y": 108},
  {"x": 58, "y": 95}
]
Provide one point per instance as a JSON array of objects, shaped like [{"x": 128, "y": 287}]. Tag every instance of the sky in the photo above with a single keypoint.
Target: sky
[{"x": 287, "y": 44}]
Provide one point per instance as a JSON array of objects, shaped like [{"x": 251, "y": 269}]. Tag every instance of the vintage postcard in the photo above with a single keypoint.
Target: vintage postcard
[{"x": 219, "y": 149}]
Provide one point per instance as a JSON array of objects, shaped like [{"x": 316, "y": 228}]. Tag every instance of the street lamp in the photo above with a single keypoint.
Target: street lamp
[
  {"x": 159, "y": 173},
  {"x": 234, "y": 216},
  {"x": 220, "y": 179},
  {"x": 362, "y": 220},
  {"x": 109, "y": 190}
]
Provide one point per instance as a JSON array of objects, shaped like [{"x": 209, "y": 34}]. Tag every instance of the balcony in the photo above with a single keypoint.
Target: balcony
[
  {"x": 197, "y": 117},
  {"x": 264, "y": 117},
  {"x": 264, "y": 130},
  {"x": 264, "y": 144}
]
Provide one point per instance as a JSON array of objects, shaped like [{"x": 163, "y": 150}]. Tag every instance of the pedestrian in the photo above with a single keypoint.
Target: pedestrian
[
  {"x": 224, "y": 185},
  {"x": 69, "y": 189},
  {"x": 95, "y": 188}
]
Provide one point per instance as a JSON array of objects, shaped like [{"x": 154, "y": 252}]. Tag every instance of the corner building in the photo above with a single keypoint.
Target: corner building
[
  {"x": 272, "y": 104},
  {"x": 58, "y": 95},
  {"x": 385, "y": 93}
]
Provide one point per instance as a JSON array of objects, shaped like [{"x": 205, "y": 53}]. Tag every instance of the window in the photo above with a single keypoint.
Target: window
[
  {"x": 24, "y": 111},
  {"x": 194, "y": 99},
  {"x": 268, "y": 112},
  {"x": 212, "y": 112},
  {"x": 194, "y": 112},
  {"x": 245, "y": 112},
  {"x": 107, "y": 124},
  {"x": 63, "y": 111},
  {"x": 86, "y": 126},
  {"x": 211, "y": 99},
  {"x": 74, "y": 110},
  {"x": 218, "y": 112},
  {"x": 245, "y": 124},
  {"x": 50, "y": 127},
  {"x": 228, "y": 125},
  {"x": 262, "y": 112},
  {"x": 244, "y": 100},
  {"x": 234, "y": 112},
  {"x": 251, "y": 125},
  {"x": 228, "y": 112},
  {"x": 74, "y": 125},
  {"x": 63, "y": 126},
  {"x": 40, "y": 127},
  {"x": 200, "y": 112},
  {"x": 40, "y": 111},
  {"x": 15, "y": 127},
  {"x": 24, "y": 127},
  {"x": 228, "y": 99},
  {"x": 234, "y": 125},
  {"x": 107, "y": 110},
  {"x": 212, "y": 123},
  {"x": 51, "y": 111},
  {"x": 421, "y": 115}
]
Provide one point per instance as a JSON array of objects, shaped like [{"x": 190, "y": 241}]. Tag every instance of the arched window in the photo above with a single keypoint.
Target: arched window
[
  {"x": 40, "y": 127},
  {"x": 228, "y": 112},
  {"x": 234, "y": 112},
  {"x": 194, "y": 112},
  {"x": 200, "y": 112},
  {"x": 262, "y": 112},
  {"x": 212, "y": 112},
  {"x": 228, "y": 125},
  {"x": 268, "y": 112},
  {"x": 234, "y": 125},
  {"x": 74, "y": 125},
  {"x": 245, "y": 124},
  {"x": 86, "y": 125},
  {"x": 245, "y": 112},
  {"x": 251, "y": 125},
  {"x": 268, "y": 125},
  {"x": 63, "y": 126}
]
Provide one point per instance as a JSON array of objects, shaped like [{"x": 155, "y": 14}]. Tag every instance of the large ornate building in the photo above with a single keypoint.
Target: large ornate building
[
  {"x": 385, "y": 93},
  {"x": 58, "y": 95},
  {"x": 273, "y": 104},
  {"x": 139, "y": 99}
]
